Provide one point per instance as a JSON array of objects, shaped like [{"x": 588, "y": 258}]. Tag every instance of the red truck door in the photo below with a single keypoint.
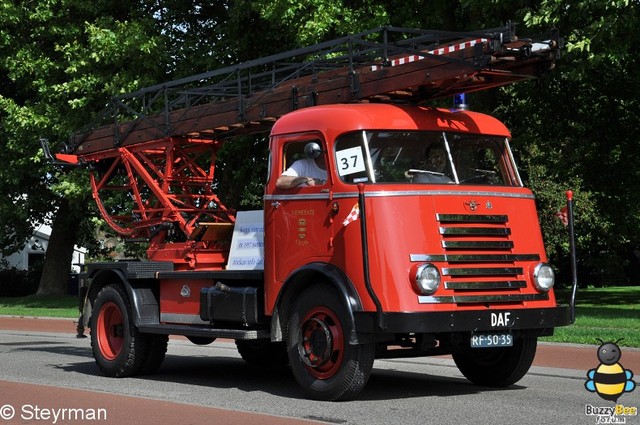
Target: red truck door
[{"x": 299, "y": 219}]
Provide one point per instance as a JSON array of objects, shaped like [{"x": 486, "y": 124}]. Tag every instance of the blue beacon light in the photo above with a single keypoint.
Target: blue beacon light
[{"x": 460, "y": 102}]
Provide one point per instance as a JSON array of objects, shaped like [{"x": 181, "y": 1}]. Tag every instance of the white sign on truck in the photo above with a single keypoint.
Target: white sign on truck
[{"x": 247, "y": 243}]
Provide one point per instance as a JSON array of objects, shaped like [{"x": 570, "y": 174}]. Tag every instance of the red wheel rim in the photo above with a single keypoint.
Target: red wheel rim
[
  {"x": 110, "y": 330},
  {"x": 322, "y": 345}
]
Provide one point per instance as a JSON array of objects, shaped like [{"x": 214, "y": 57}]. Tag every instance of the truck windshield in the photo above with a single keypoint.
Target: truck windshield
[{"x": 425, "y": 157}]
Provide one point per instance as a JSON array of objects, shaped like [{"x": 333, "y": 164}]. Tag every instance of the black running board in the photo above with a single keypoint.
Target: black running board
[{"x": 202, "y": 331}]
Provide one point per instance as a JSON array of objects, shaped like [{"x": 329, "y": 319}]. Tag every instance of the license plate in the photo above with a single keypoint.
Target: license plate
[{"x": 491, "y": 340}]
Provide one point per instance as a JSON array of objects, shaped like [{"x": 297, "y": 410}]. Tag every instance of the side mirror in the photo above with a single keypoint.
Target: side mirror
[{"x": 312, "y": 150}]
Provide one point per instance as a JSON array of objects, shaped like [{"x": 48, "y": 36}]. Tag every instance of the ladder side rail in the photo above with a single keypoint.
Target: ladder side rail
[
  {"x": 81, "y": 134},
  {"x": 350, "y": 41},
  {"x": 252, "y": 63},
  {"x": 227, "y": 85},
  {"x": 320, "y": 47},
  {"x": 212, "y": 112},
  {"x": 194, "y": 96},
  {"x": 298, "y": 69},
  {"x": 239, "y": 97},
  {"x": 114, "y": 110},
  {"x": 258, "y": 81},
  {"x": 404, "y": 51},
  {"x": 227, "y": 73},
  {"x": 119, "y": 136},
  {"x": 438, "y": 37}
]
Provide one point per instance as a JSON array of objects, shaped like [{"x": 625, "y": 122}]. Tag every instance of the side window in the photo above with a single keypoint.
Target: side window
[
  {"x": 305, "y": 158},
  {"x": 292, "y": 153}
]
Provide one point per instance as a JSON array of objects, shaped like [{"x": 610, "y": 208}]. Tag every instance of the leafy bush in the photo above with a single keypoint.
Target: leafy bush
[{"x": 18, "y": 283}]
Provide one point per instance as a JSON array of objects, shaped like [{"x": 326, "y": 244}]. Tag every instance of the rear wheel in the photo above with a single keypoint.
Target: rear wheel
[
  {"x": 118, "y": 348},
  {"x": 497, "y": 367},
  {"x": 321, "y": 358},
  {"x": 156, "y": 352}
]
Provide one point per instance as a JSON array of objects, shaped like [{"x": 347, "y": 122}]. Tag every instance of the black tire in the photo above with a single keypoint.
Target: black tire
[
  {"x": 118, "y": 348},
  {"x": 323, "y": 362},
  {"x": 156, "y": 352},
  {"x": 497, "y": 367},
  {"x": 201, "y": 340},
  {"x": 263, "y": 352}
]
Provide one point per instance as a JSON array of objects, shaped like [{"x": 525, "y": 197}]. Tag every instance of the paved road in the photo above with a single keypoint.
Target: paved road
[{"x": 51, "y": 370}]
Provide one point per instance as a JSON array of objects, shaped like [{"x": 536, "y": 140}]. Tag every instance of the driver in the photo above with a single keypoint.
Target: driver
[
  {"x": 433, "y": 168},
  {"x": 437, "y": 159},
  {"x": 309, "y": 171}
]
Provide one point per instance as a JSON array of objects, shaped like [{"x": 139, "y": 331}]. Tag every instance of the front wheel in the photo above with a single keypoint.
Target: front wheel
[
  {"x": 322, "y": 360},
  {"x": 497, "y": 367},
  {"x": 118, "y": 348}
]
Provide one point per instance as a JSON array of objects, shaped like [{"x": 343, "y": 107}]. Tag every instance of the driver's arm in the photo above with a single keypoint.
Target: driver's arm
[{"x": 289, "y": 182}]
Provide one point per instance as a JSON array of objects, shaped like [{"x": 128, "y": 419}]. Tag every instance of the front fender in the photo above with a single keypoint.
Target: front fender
[{"x": 306, "y": 276}]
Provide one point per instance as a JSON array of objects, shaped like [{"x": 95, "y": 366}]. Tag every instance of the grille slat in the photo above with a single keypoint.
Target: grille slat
[
  {"x": 471, "y": 218},
  {"x": 474, "y": 231},
  {"x": 477, "y": 244},
  {"x": 476, "y": 258},
  {"x": 482, "y": 285},
  {"x": 482, "y": 271}
]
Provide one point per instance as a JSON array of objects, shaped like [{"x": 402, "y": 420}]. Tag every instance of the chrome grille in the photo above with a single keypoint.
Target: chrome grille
[{"x": 468, "y": 271}]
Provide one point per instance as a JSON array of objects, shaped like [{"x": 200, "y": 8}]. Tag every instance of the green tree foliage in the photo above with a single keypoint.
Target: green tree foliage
[
  {"x": 578, "y": 129},
  {"x": 192, "y": 34},
  {"x": 61, "y": 60}
]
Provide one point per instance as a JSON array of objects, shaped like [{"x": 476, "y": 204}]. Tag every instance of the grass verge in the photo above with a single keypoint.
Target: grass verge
[
  {"x": 40, "y": 306},
  {"x": 610, "y": 314},
  {"x": 607, "y": 313}
]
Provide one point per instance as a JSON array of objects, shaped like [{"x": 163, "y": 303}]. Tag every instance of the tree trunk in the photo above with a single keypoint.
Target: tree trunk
[{"x": 57, "y": 262}]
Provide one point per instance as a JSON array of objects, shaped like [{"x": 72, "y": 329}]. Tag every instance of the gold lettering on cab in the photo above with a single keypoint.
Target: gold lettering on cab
[
  {"x": 303, "y": 212},
  {"x": 302, "y": 233},
  {"x": 302, "y": 228}
]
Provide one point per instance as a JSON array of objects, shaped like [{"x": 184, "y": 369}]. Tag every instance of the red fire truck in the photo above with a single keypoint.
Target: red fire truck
[{"x": 417, "y": 239}]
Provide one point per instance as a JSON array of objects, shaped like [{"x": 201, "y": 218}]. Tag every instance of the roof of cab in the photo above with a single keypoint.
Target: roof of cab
[{"x": 333, "y": 120}]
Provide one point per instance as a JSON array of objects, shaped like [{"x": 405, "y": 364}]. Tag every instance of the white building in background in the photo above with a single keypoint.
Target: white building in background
[{"x": 35, "y": 248}]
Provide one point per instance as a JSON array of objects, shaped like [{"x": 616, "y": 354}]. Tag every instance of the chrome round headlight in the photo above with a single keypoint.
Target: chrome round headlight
[
  {"x": 543, "y": 277},
  {"x": 425, "y": 278}
]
